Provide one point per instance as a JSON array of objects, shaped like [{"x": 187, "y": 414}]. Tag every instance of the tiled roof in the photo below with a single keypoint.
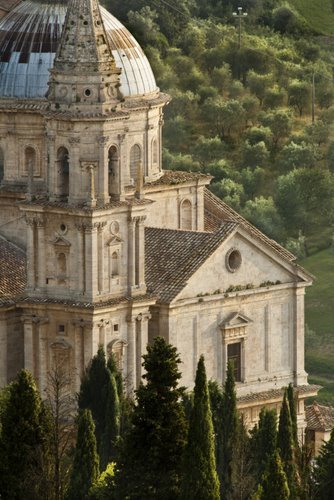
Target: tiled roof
[
  {"x": 88, "y": 305},
  {"x": 216, "y": 211},
  {"x": 319, "y": 418},
  {"x": 12, "y": 271},
  {"x": 172, "y": 256},
  {"x": 259, "y": 397},
  {"x": 171, "y": 177}
]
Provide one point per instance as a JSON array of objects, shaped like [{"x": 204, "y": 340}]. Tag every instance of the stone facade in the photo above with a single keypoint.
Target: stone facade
[{"x": 118, "y": 251}]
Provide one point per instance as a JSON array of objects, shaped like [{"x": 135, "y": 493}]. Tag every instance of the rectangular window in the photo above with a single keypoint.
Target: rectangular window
[
  {"x": 234, "y": 357},
  {"x": 61, "y": 329}
]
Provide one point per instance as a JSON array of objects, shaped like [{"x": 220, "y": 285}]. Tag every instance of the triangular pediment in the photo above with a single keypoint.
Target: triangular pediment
[{"x": 234, "y": 320}]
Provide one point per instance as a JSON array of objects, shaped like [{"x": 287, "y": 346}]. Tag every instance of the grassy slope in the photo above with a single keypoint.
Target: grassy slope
[
  {"x": 319, "y": 14},
  {"x": 320, "y": 323}
]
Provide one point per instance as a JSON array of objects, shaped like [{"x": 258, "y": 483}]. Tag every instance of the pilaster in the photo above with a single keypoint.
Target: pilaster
[
  {"x": 131, "y": 356},
  {"x": 31, "y": 270},
  {"x": 299, "y": 336},
  {"x": 141, "y": 342},
  {"x": 41, "y": 264}
]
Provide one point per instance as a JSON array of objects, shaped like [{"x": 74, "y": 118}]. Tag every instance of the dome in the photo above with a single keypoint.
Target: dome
[{"x": 29, "y": 37}]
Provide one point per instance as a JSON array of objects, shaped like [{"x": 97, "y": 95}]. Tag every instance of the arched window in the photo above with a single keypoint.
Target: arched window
[
  {"x": 61, "y": 261},
  {"x": 113, "y": 170},
  {"x": 63, "y": 171},
  {"x": 30, "y": 160},
  {"x": 116, "y": 348},
  {"x": 186, "y": 215},
  {"x": 2, "y": 164},
  {"x": 115, "y": 264},
  {"x": 154, "y": 151},
  {"x": 135, "y": 158}
]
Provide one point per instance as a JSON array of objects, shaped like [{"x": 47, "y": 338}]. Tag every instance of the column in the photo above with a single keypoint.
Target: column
[
  {"x": 122, "y": 161},
  {"x": 3, "y": 352},
  {"x": 131, "y": 356},
  {"x": 78, "y": 353},
  {"x": 41, "y": 271},
  {"x": 103, "y": 173},
  {"x": 102, "y": 333},
  {"x": 140, "y": 264},
  {"x": 141, "y": 342},
  {"x": 28, "y": 345},
  {"x": 225, "y": 359},
  {"x": 243, "y": 360},
  {"x": 100, "y": 237},
  {"x": 42, "y": 346},
  {"x": 87, "y": 342},
  {"x": 77, "y": 187},
  {"x": 91, "y": 263},
  {"x": 52, "y": 167},
  {"x": 80, "y": 260},
  {"x": 31, "y": 272},
  {"x": 131, "y": 254}
]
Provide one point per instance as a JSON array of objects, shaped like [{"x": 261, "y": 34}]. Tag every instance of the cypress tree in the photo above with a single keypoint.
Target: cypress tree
[
  {"x": 97, "y": 393},
  {"x": 293, "y": 413},
  {"x": 216, "y": 404},
  {"x": 286, "y": 445},
  {"x": 200, "y": 478},
  {"x": 265, "y": 439},
  {"x": 85, "y": 470},
  {"x": 230, "y": 430},
  {"x": 112, "y": 424},
  {"x": 324, "y": 471},
  {"x": 274, "y": 485},
  {"x": 24, "y": 442},
  {"x": 150, "y": 460}
]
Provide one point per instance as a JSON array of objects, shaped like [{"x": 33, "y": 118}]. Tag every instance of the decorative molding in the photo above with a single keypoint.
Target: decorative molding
[{"x": 74, "y": 140}]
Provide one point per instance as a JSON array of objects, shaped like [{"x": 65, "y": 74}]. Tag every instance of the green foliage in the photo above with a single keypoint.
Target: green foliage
[
  {"x": 216, "y": 405},
  {"x": 200, "y": 478},
  {"x": 151, "y": 456},
  {"x": 98, "y": 392},
  {"x": 263, "y": 213},
  {"x": 85, "y": 469},
  {"x": 285, "y": 444},
  {"x": 295, "y": 156},
  {"x": 103, "y": 489},
  {"x": 304, "y": 198},
  {"x": 24, "y": 442},
  {"x": 292, "y": 401},
  {"x": 265, "y": 440},
  {"x": 324, "y": 471},
  {"x": 274, "y": 485},
  {"x": 230, "y": 427}
]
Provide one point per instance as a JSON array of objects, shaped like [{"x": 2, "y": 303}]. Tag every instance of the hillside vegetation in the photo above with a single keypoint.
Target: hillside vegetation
[
  {"x": 317, "y": 13},
  {"x": 242, "y": 112}
]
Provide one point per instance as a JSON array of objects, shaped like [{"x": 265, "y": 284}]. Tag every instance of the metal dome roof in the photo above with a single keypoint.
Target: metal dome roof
[{"x": 29, "y": 37}]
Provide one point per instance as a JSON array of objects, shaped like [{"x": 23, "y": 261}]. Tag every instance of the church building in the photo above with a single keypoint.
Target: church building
[{"x": 99, "y": 245}]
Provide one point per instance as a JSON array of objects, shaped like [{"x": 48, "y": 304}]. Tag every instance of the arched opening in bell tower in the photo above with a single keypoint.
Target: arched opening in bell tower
[
  {"x": 113, "y": 171},
  {"x": 135, "y": 159},
  {"x": 63, "y": 171}
]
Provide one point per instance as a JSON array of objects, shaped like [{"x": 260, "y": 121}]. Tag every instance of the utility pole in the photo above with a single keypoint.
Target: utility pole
[{"x": 239, "y": 15}]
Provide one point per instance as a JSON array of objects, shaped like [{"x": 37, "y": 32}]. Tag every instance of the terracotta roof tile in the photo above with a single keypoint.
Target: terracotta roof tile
[
  {"x": 12, "y": 271},
  {"x": 172, "y": 256},
  {"x": 277, "y": 394},
  {"x": 171, "y": 177},
  {"x": 216, "y": 211},
  {"x": 319, "y": 418}
]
